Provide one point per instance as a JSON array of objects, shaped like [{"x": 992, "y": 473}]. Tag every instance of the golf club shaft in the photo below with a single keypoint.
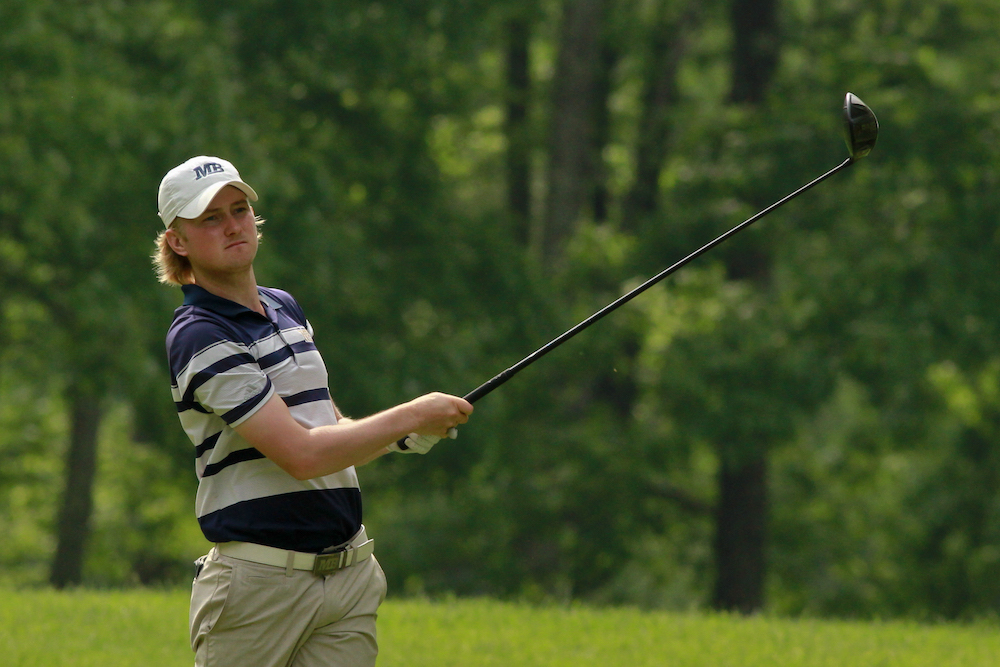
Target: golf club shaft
[
  {"x": 860, "y": 132},
  {"x": 501, "y": 378},
  {"x": 487, "y": 387}
]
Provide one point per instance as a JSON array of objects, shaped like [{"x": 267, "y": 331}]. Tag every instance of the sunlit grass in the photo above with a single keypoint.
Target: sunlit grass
[
  {"x": 482, "y": 632},
  {"x": 149, "y": 628},
  {"x": 94, "y": 629}
]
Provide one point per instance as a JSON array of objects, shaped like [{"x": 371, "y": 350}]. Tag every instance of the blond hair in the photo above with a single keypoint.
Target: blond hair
[{"x": 173, "y": 269}]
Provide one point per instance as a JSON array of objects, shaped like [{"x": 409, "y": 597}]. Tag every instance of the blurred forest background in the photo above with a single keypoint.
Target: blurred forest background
[{"x": 803, "y": 421}]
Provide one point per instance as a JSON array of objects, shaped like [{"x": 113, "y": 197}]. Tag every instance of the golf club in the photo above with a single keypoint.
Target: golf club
[{"x": 860, "y": 132}]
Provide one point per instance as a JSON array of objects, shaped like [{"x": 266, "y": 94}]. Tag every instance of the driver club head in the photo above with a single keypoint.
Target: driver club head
[{"x": 860, "y": 127}]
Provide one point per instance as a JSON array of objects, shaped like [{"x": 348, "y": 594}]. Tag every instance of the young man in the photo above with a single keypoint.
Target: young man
[{"x": 291, "y": 579}]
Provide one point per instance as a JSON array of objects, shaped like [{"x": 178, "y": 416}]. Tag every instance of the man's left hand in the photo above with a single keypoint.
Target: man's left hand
[{"x": 416, "y": 444}]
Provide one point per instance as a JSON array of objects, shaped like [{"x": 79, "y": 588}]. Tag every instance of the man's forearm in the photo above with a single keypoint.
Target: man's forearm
[{"x": 307, "y": 453}]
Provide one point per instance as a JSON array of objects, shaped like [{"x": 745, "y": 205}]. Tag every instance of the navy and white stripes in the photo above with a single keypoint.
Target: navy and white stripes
[{"x": 226, "y": 361}]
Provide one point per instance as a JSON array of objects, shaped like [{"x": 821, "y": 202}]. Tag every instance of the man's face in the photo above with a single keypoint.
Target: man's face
[{"x": 223, "y": 239}]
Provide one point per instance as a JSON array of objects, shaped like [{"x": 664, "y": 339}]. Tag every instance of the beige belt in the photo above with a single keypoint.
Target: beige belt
[{"x": 357, "y": 550}]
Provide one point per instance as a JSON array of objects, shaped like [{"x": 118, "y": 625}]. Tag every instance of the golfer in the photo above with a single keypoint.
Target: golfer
[{"x": 292, "y": 579}]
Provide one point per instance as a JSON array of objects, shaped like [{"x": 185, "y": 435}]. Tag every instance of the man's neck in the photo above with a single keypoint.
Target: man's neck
[{"x": 242, "y": 288}]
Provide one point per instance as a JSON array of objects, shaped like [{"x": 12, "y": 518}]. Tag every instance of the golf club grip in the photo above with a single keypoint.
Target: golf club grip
[{"x": 471, "y": 397}]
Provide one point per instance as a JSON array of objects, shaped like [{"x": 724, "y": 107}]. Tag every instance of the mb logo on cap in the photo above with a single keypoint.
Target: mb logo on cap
[{"x": 206, "y": 169}]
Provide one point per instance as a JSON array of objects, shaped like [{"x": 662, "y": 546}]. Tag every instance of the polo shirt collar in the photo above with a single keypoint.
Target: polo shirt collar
[{"x": 196, "y": 295}]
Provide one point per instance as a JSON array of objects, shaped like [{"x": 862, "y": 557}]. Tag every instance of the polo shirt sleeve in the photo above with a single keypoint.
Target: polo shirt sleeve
[{"x": 216, "y": 374}]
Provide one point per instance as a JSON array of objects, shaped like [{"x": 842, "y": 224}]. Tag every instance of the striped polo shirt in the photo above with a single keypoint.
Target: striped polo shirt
[{"x": 226, "y": 361}]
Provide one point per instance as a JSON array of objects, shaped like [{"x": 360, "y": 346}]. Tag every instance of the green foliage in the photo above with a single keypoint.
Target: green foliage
[
  {"x": 849, "y": 336},
  {"x": 32, "y": 428}
]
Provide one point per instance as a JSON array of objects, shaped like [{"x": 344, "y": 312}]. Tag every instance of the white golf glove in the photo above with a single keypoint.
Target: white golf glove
[{"x": 415, "y": 444}]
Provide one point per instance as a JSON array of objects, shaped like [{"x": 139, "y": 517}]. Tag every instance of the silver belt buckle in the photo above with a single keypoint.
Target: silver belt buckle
[{"x": 327, "y": 563}]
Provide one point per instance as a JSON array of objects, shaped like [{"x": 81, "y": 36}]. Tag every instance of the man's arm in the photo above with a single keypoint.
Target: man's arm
[
  {"x": 306, "y": 453},
  {"x": 341, "y": 419}
]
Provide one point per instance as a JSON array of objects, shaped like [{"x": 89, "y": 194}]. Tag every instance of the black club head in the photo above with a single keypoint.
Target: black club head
[{"x": 860, "y": 126}]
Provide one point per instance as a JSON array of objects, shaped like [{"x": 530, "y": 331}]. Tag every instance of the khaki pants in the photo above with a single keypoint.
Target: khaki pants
[{"x": 245, "y": 614}]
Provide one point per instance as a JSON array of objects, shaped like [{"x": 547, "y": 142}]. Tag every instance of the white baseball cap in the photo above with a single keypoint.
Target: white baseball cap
[{"x": 188, "y": 189}]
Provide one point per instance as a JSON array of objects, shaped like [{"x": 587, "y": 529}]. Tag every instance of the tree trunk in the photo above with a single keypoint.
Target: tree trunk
[
  {"x": 740, "y": 536},
  {"x": 571, "y": 159},
  {"x": 518, "y": 141},
  {"x": 740, "y": 540},
  {"x": 77, "y": 501},
  {"x": 755, "y": 48},
  {"x": 602, "y": 132},
  {"x": 669, "y": 44}
]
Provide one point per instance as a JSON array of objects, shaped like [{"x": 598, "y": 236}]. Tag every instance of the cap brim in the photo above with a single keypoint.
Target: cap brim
[{"x": 198, "y": 205}]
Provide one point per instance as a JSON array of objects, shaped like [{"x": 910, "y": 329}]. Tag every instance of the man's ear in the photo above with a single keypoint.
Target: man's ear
[{"x": 176, "y": 241}]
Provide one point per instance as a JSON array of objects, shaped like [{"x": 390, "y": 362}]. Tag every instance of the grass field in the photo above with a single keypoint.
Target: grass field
[{"x": 148, "y": 628}]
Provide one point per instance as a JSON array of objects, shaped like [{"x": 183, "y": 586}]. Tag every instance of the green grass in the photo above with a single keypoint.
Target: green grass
[
  {"x": 149, "y": 628},
  {"x": 91, "y": 629}
]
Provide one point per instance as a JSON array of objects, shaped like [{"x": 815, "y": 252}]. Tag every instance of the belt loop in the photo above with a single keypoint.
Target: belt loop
[{"x": 289, "y": 564}]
